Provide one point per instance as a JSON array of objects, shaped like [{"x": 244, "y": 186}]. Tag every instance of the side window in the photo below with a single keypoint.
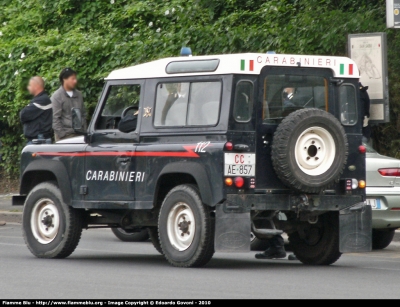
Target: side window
[
  {"x": 171, "y": 104},
  {"x": 187, "y": 104},
  {"x": 119, "y": 97},
  {"x": 243, "y": 106},
  {"x": 348, "y": 104},
  {"x": 284, "y": 94},
  {"x": 204, "y": 104}
]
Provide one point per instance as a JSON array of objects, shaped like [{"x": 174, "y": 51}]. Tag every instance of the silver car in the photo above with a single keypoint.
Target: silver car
[{"x": 383, "y": 194}]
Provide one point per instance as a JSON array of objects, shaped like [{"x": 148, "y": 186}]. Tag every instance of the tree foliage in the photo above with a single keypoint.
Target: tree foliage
[{"x": 40, "y": 37}]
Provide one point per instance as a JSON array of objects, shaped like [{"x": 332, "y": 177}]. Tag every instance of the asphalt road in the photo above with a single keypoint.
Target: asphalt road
[
  {"x": 5, "y": 203},
  {"x": 102, "y": 267}
]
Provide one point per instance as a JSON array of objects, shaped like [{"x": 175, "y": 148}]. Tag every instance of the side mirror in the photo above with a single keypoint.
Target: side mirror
[{"x": 77, "y": 123}]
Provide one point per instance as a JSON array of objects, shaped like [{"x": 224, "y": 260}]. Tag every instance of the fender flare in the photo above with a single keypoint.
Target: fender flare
[
  {"x": 198, "y": 172},
  {"x": 57, "y": 169}
]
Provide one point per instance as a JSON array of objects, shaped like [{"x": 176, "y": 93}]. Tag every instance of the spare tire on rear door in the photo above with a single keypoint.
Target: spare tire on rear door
[{"x": 309, "y": 150}]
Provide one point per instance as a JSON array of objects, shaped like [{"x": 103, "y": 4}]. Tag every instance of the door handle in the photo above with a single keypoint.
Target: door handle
[{"x": 123, "y": 160}]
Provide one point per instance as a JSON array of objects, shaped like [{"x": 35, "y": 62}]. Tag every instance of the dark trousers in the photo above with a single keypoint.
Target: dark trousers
[
  {"x": 366, "y": 131},
  {"x": 277, "y": 241}
]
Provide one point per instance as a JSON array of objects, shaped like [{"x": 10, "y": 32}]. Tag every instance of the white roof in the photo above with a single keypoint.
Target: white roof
[{"x": 243, "y": 63}]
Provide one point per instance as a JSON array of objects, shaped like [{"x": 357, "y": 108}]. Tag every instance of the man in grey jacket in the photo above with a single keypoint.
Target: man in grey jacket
[{"x": 63, "y": 100}]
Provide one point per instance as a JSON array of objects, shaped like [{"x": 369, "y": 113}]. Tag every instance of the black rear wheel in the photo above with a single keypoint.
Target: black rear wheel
[
  {"x": 186, "y": 228},
  {"x": 309, "y": 150},
  {"x": 382, "y": 238},
  {"x": 318, "y": 244},
  {"x": 127, "y": 236},
  {"x": 51, "y": 228}
]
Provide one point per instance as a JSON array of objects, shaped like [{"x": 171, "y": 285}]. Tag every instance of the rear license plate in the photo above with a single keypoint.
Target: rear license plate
[
  {"x": 240, "y": 164},
  {"x": 374, "y": 203}
]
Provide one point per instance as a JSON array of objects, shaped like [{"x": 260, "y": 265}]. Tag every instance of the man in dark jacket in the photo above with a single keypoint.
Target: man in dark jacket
[
  {"x": 37, "y": 117},
  {"x": 366, "y": 130},
  {"x": 288, "y": 94},
  {"x": 64, "y": 100}
]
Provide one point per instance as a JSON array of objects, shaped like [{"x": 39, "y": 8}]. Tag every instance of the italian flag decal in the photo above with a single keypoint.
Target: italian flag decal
[
  {"x": 247, "y": 65},
  {"x": 344, "y": 67}
]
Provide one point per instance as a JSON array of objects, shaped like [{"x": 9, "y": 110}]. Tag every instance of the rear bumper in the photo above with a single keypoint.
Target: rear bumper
[
  {"x": 389, "y": 198},
  {"x": 287, "y": 202}
]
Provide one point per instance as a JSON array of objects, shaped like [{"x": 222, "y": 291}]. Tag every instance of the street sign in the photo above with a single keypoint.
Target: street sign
[
  {"x": 368, "y": 50},
  {"x": 393, "y": 13}
]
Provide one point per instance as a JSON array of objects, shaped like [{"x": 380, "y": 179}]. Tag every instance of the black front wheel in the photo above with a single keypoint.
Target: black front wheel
[
  {"x": 51, "y": 228},
  {"x": 186, "y": 228},
  {"x": 317, "y": 244}
]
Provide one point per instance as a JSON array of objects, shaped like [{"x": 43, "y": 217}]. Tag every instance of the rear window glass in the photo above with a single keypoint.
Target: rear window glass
[
  {"x": 243, "y": 107},
  {"x": 187, "y": 104},
  {"x": 348, "y": 104},
  {"x": 284, "y": 94}
]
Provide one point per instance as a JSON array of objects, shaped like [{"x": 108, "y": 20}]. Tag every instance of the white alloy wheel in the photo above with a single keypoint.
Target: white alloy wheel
[
  {"x": 315, "y": 151},
  {"x": 45, "y": 221},
  {"x": 181, "y": 226}
]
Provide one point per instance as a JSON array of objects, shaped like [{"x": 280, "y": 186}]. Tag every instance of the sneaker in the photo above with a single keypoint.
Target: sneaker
[{"x": 272, "y": 253}]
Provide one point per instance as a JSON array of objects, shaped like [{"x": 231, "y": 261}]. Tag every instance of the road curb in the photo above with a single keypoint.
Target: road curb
[{"x": 10, "y": 217}]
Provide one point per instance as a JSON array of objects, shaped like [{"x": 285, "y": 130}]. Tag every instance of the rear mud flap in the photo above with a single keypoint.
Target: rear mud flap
[
  {"x": 355, "y": 229},
  {"x": 232, "y": 229}
]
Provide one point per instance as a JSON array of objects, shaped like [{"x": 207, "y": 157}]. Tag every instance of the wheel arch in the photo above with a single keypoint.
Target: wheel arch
[
  {"x": 189, "y": 173},
  {"x": 45, "y": 170}
]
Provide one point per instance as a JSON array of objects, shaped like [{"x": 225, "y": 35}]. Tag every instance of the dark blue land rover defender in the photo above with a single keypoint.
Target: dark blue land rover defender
[{"x": 224, "y": 146}]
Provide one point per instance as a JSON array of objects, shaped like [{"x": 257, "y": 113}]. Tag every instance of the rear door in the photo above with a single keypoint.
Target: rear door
[
  {"x": 240, "y": 160},
  {"x": 110, "y": 165},
  {"x": 283, "y": 90}
]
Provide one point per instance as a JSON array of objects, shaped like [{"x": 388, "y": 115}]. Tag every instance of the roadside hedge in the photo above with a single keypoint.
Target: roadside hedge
[{"x": 40, "y": 37}]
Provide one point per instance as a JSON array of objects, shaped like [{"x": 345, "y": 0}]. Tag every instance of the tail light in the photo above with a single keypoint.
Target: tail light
[
  {"x": 228, "y": 146},
  {"x": 228, "y": 181},
  {"x": 362, "y": 149},
  {"x": 389, "y": 172},
  {"x": 352, "y": 184},
  {"x": 239, "y": 182}
]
